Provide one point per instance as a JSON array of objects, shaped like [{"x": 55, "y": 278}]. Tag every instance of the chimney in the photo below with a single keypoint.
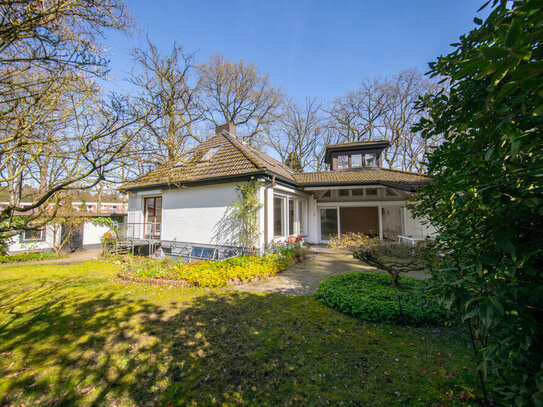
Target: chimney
[{"x": 229, "y": 127}]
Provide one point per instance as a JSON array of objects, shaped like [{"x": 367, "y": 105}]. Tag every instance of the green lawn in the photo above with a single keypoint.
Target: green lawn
[{"x": 76, "y": 335}]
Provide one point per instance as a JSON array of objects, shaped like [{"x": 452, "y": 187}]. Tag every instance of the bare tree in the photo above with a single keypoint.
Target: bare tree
[
  {"x": 57, "y": 130},
  {"x": 356, "y": 115},
  {"x": 298, "y": 135},
  {"x": 384, "y": 109},
  {"x": 168, "y": 89},
  {"x": 238, "y": 93}
]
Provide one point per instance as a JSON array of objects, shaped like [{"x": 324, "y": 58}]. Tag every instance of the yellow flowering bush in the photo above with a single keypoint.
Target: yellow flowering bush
[{"x": 215, "y": 273}]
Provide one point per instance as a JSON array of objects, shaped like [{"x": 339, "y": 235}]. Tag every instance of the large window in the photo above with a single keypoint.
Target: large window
[
  {"x": 328, "y": 223},
  {"x": 152, "y": 210},
  {"x": 278, "y": 217}
]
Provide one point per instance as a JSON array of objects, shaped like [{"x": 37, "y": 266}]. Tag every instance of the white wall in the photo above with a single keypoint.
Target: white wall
[
  {"x": 416, "y": 226},
  {"x": 313, "y": 219},
  {"x": 200, "y": 214},
  {"x": 92, "y": 233},
  {"x": 15, "y": 246}
]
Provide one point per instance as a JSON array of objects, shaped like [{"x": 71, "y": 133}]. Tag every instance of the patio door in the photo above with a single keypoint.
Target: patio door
[
  {"x": 152, "y": 210},
  {"x": 329, "y": 223}
]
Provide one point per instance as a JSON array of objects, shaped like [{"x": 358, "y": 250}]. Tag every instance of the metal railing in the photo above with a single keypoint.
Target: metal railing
[
  {"x": 131, "y": 231},
  {"x": 129, "y": 236}
]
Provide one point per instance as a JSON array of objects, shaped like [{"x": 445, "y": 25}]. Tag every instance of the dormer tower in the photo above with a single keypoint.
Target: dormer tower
[{"x": 356, "y": 155}]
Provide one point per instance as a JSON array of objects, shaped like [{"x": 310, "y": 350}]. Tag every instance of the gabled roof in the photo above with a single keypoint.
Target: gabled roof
[
  {"x": 406, "y": 181},
  {"x": 232, "y": 158}
]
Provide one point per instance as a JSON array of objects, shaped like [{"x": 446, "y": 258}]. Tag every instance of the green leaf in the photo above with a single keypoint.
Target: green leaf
[
  {"x": 538, "y": 111},
  {"x": 478, "y": 21},
  {"x": 514, "y": 32},
  {"x": 495, "y": 52},
  {"x": 505, "y": 244}
]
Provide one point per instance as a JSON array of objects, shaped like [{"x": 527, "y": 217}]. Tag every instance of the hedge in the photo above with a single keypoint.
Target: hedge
[
  {"x": 23, "y": 257},
  {"x": 371, "y": 297}
]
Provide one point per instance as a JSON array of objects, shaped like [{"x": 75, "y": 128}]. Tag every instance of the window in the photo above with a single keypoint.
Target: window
[
  {"x": 210, "y": 153},
  {"x": 291, "y": 215},
  {"x": 371, "y": 192},
  {"x": 278, "y": 217},
  {"x": 301, "y": 217},
  {"x": 343, "y": 161},
  {"x": 34, "y": 235},
  {"x": 152, "y": 211},
  {"x": 356, "y": 160},
  {"x": 357, "y": 192},
  {"x": 371, "y": 160},
  {"x": 344, "y": 192},
  {"x": 390, "y": 192}
]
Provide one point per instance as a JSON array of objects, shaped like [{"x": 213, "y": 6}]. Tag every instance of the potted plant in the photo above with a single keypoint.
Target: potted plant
[{"x": 292, "y": 239}]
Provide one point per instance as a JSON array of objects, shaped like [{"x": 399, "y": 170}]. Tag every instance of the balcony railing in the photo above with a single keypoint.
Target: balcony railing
[{"x": 146, "y": 230}]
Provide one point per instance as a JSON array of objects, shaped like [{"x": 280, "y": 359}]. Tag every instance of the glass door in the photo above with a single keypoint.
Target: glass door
[
  {"x": 328, "y": 223},
  {"x": 152, "y": 210}
]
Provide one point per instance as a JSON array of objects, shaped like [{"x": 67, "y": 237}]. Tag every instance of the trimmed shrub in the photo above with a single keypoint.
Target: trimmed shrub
[
  {"x": 23, "y": 257},
  {"x": 371, "y": 297},
  {"x": 215, "y": 273}
]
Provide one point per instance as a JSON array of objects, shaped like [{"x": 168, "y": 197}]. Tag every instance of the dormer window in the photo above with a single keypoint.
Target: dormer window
[
  {"x": 343, "y": 161},
  {"x": 356, "y": 160},
  {"x": 210, "y": 153},
  {"x": 355, "y": 155},
  {"x": 371, "y": 159}
]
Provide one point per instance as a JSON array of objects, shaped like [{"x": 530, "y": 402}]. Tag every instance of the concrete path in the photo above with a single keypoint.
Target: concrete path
[{"x": 303, "y": 278}]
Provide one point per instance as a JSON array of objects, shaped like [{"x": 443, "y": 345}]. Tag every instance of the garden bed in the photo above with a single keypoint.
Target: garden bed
[{"x": 233, "y": 271}]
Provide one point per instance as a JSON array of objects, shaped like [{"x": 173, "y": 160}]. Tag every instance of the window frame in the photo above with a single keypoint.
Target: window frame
[
  {"x": 42, "y": 238},
  {"x": 366, "y": 162},
  {"x": 339, "y": 156},
  {"x": 361, "y": 155}
]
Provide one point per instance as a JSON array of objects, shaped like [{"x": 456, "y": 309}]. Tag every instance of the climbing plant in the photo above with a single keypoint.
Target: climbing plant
[{"x": 245, "y": 210}]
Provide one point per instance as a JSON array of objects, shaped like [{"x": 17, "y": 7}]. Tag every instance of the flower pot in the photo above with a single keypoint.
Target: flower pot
[{"x": 292, "y": 239}]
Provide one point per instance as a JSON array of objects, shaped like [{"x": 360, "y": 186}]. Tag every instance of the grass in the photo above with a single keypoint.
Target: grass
[{"x": 76, "y": 335}]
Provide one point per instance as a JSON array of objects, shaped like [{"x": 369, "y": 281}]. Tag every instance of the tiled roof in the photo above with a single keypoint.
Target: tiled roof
[
  {"x": 398, "y": 179},
  {"x": 358, "y": 144},
  {"x": 236, "y": 158},
  {"x": 233, "y": 158}
]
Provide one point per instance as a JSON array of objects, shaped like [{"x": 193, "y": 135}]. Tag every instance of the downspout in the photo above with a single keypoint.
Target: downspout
[{"x": 273, "y": 183}]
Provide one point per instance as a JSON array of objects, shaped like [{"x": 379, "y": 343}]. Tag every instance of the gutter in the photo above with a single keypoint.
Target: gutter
[{"x": 266, "y": 188}]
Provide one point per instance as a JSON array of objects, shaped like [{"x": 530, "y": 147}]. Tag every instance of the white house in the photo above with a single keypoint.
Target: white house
[
  {"x": 190, "y": 200},
  {"x": 88, "y": 236}
]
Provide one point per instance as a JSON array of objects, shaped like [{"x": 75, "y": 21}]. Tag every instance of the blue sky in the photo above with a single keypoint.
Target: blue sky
[{"x": 316, "y": 48}]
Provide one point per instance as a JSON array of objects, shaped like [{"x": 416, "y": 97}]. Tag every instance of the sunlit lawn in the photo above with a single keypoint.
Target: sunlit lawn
[{"x": 76, "y": 335}]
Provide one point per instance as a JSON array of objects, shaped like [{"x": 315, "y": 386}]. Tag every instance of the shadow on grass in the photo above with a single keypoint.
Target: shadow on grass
[{"x": 234, "y": 348}]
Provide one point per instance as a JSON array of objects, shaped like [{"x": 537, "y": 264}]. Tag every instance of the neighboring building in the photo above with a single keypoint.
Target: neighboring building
[
  {"x": 88, "y": 236},
  {"x": 190, "y": 200},
  {"x": 105, "y": 207}
]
